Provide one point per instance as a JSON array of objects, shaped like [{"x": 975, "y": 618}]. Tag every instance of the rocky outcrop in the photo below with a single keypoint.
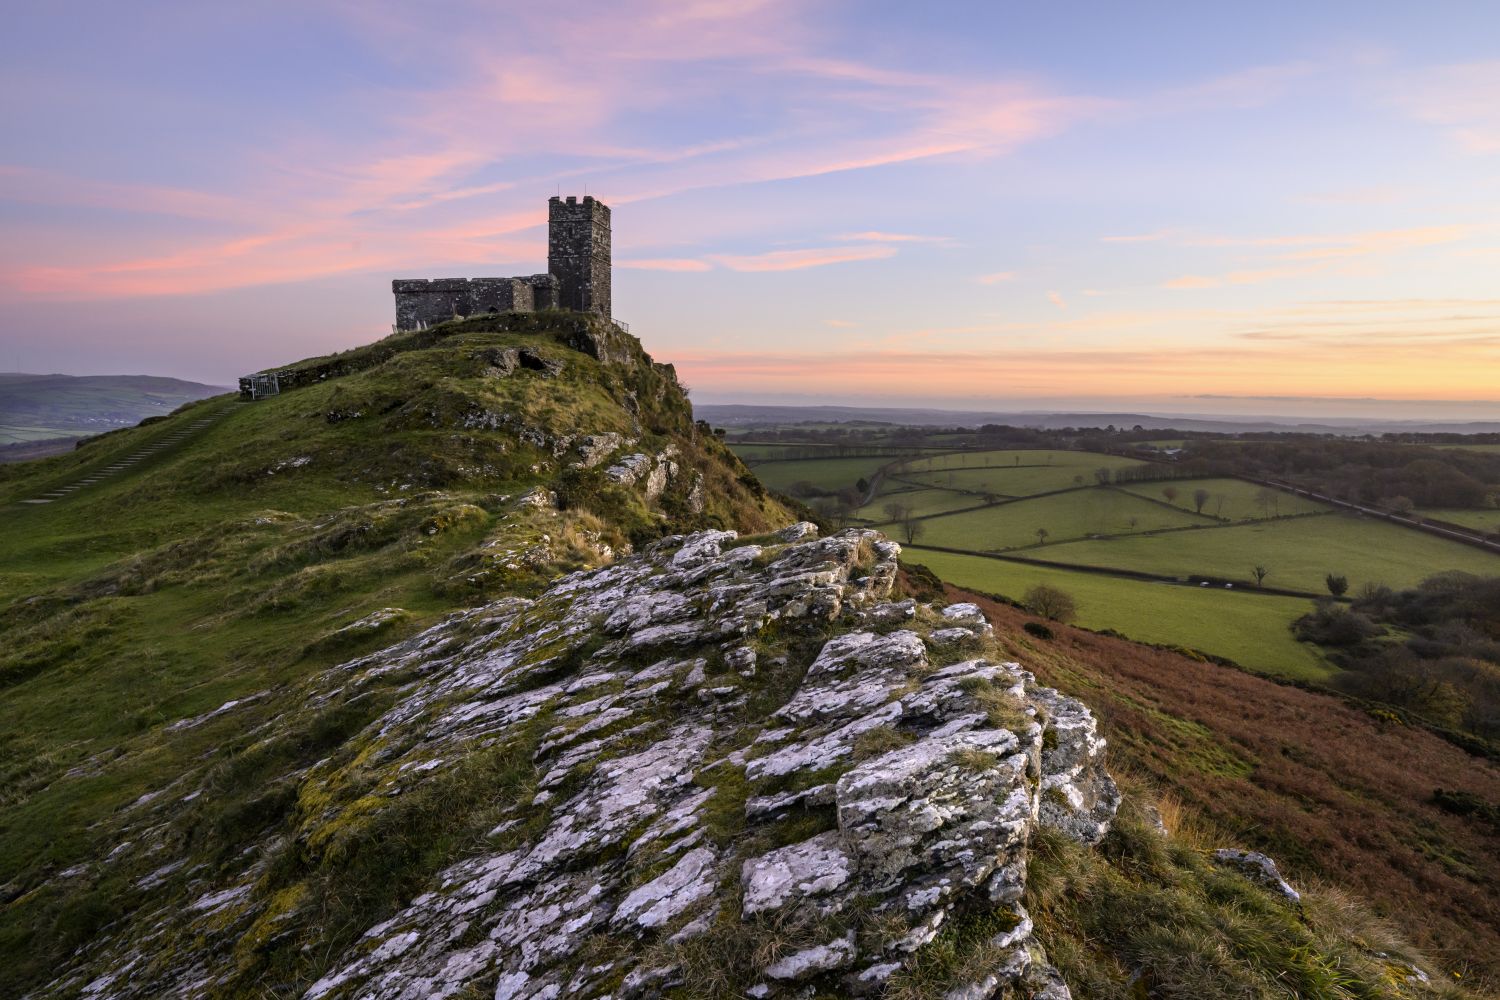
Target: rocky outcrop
[{"x": 745, "y": 750}]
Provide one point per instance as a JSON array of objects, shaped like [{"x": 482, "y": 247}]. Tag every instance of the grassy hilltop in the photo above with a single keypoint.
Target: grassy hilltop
[
  {"x": 172, "y": 608},
  {"x": 410, "y": 478}
]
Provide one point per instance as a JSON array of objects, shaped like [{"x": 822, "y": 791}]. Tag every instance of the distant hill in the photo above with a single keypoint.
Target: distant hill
[
  {"x": 41, "y": 407},
  {"x": 741, "y": 415}
]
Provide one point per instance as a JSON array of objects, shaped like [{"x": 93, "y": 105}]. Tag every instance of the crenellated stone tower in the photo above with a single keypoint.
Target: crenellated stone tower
[
  {"x": 578, "y": 252},
  {"x": 578, "y": 275}
]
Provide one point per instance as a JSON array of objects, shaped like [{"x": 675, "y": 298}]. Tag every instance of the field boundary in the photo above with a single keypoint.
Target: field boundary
[{"x": 1127, "y": 574}]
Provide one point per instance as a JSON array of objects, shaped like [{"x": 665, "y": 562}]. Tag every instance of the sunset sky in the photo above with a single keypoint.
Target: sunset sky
[{"x": 963, "y": 204}]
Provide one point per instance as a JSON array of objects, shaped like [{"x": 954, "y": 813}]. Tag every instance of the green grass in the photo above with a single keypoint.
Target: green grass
[
  {"x": 1077, "y": 514},
  {"x": 921, "y": 501},
  {"x": 1254, "y": 630},
  {"x": 225, "y": 567},
  {"x": 1482, "y": 520},
  {"x": 998, "y": 471},
  {"x": 823, "y": 473},
  {"x": 1234, "y": 499},
  {"x": 1299, "y": 552}
]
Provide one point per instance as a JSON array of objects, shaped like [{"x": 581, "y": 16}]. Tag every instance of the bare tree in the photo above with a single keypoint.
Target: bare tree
[
  {"x": 1265, "y": 497},
  {"x": 1051, "y": 602},
  {"x": 1103, "y": 476},
  {"x": 1260, "y": 573},
  {"x": 912, "y": 528},
  {"x": 896, "y": 511},
  {"x": 1041, "y": 536},
  {"x": 1170, "y": 492},
  {"x": 1200, "y": 497},
  {"x": 1219, "y": 499}
]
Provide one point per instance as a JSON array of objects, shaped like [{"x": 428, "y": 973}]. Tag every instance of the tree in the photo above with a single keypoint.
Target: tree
[
  {"x": 1051, "y": 602},
  {"x": 863, "y": 485},
  {"x": 1200, "y": 497},
  {"x": 1260, "y": 573},
  {"x": 1219, "y": 504},
  {"x": 1103, "y": 476},
  {"x": 1041, "y": 536},
  {"x": 1264, "y": 498},
  {"x": 912, "y": 529},
  {"x": 896, "y": 511},
  {"x": 1170, "y": 492},
  {"x": 1337, "y": 585}
]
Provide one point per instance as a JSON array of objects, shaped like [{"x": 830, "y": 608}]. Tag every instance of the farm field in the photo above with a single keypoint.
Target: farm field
[
  {"x": 1298, "y": 551},
  {"x": 1482, "y": 520},
  {"x": 1254, "y": 630},
  {"x": 823, "y": 473},
  {"x": 1234, "y": 499},
  {"x": 1015, "y": 480},
  {"x": 921, "y": 501},
  {"x": 1076, "y": 514}
]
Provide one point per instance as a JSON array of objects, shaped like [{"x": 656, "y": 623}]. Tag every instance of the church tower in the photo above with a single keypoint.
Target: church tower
[{"x": 578, "y": 253}]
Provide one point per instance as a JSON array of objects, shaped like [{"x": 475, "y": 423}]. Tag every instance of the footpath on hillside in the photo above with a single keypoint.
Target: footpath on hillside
[{"x": 167, "y": 442}]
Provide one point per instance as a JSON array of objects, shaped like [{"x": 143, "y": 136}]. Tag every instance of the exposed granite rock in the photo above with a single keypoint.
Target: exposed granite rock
[{"x": 723, "y": 739}]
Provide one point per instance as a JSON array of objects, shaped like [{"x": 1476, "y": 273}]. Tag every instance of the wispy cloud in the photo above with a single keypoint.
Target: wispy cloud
[
  {"x": 875, "y": 236},
  {"x": 996, "y": 277},
  {"x": 796, "y": 260},
  {"x": 1460, "y": 99},
  {"x": 665, "y": 264},
  {"x": 1056, "y": 299}
]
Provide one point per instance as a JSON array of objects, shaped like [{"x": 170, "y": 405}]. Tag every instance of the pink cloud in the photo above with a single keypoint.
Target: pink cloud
[
  {"x": 1056, "y": 299},
  {"x": 996, "y": 277},
  {"x": 796, "y": 260},
  {"x": 875, "y": 236},
  {"x": 665, "y": 264}
]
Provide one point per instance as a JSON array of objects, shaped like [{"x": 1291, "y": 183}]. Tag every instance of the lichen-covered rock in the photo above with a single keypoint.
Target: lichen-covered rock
[
  {"x": 714, "y": 742},
  {"x": 1259, "y": 869}
]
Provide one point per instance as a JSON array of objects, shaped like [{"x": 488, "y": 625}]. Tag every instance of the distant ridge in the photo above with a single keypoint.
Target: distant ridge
[
  {"x": 44, "y": 407},
  {"x": 750, "y": 415}
]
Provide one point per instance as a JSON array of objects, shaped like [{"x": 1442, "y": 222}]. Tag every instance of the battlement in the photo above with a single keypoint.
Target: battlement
[{"x": 578, "y": 275}]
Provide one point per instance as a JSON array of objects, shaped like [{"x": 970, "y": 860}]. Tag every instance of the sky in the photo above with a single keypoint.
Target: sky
[{"x": 1182, "y": 207}]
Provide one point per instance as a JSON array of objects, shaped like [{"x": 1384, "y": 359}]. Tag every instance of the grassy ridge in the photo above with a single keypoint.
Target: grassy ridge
[{"x": 288, "y": 536}]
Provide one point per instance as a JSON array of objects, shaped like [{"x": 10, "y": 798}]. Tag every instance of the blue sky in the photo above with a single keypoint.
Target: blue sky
[{"x": 989, "y": 204}]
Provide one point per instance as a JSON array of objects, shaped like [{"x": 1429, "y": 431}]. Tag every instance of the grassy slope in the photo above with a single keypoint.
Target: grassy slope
[
  {"x": 226, "y": 569},
  {"x": 1331, "y": 792},
  {"x": 1299, "y": 553},
  {"x": 1254, "y": 630}
]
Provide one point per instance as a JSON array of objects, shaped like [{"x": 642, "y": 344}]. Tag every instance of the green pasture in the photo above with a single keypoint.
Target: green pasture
[
  {"x": 1299, "y": 552},
  {"x": 1076, "y": 514},
  {"x": 1065, "y": 470},
  {"x": 823, "y": 473},
  {"x": 921, "y": 501},
  {"x": 1480, "y": 520},
  {"x": 1233, "y": 499},
  {"x": 1252, "y": 629},
  {"x": 1012, "y": 457}
]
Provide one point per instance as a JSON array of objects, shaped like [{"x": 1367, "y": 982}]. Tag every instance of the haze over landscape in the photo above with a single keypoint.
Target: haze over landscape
[{"x": 1016, "y": 206}]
